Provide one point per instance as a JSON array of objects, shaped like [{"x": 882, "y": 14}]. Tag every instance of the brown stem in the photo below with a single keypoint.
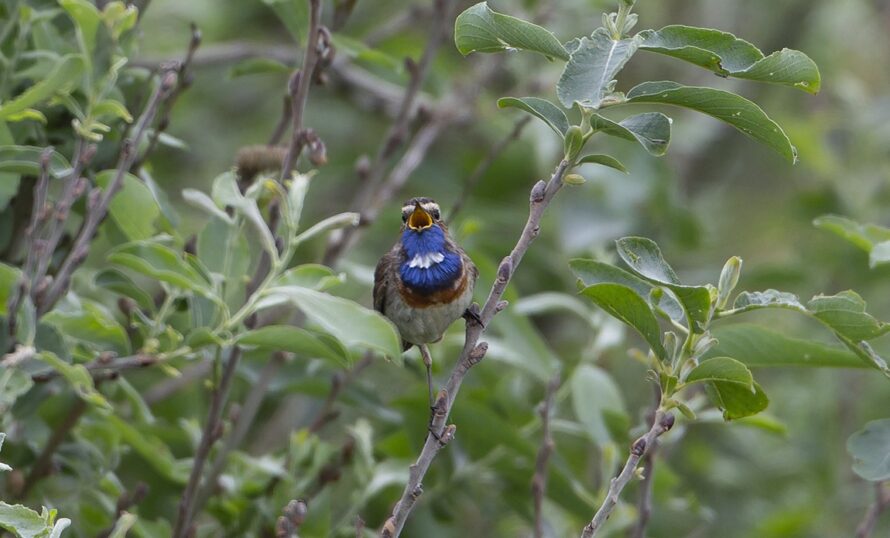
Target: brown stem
[
  {"x": 473, "y": 352},
  {"x": 644, "y": 503},
  {"x": 43, "y": 465},
  {"x": 663, "y": 422},
  {"x": 183, "y": 82},
  {"x": 539, "y": 482},
  {"x": 299, "y": 90},
  {"x": 870, "y": 520},
  {"x": 99, "y": 207},
  {"x": 212, "y": 431},
  {"x": 104, "y": 368}
]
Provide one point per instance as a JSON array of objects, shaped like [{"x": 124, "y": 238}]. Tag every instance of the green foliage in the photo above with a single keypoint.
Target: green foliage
[{"x": 869, "y": 448}]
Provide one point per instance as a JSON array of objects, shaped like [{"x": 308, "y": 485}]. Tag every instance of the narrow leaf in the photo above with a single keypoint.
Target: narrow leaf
[
  {"x": 65, "y": 72},
  {"x": 542, "y": 109},
  {"x": 605, "y": 160}
]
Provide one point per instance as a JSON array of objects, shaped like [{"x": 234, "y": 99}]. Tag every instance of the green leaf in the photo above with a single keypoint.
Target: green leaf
[
  {"x": 754, "y": 300},
  {"x": 294, "y": 14},
  {"x": 605, "y": 160},
  {"x": 723, "y": 105},
  {"x": 722, "y": 369},
  {"x": 346, "y": 320},
  {"x": 162, "y": 263},
  {"x": 651, "y": 129},
  {"x": 358, "y": 51},
  {"x": 258, "y": 66},
  {"x": 542, "y": 109},
  {"x": 86, "y": 18},
  {"x": 114, "y": 109},
  {"x": 737, "y": 400},
  {"x": 627, "y": 306},
  {"x": 594, "y": 394},
  {"x": 26, "y": 523},
  {"x": 758, "y": 347},
  {"x": 644, "y": 258},
  {"x": 870, "y": 449},
  {"x": 152, "y": 449},
  {"x": 591, "y": 272},
  {"x": 25, "y": 160},
  {"x": 587, "y": 77},
  {"x": 78, "y": 377},
  {"x": 225, "y": 192},
  {"x": 479, "y": 29},
  {"x": 133, "y": 208},
  {"x": 879, "y": 255},
  {"x": 90, "y": 323},
  {"x": 729, "y": 56},
  {"x": 334, "y": 222},
  {"x": 298, "y": 341},
  {"x": 9, "y": 279},
  {"x": 198, "y": 199},
  {"x": 863, "y": 236},
  {"x": 66, "y": 72},
  {"x": 3, "y": 466},
  {"x": 119, "y": 283},
  {"x": 845, "y": 313}
]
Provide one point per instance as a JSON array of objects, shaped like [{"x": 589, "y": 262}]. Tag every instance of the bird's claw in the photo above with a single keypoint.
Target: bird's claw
[{"x": 472, "y": 315}]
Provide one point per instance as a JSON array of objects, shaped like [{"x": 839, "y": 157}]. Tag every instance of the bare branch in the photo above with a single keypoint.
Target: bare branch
[
  {"x": 473, "y": 352},
  {"x": 98, "y": 206},
  {"x": 663, "y": 422},
  {"x": 212, "y": 431},
  {"x": 299, "y": 89},
  {"x": 183, "y": 82},
  {"x": 870, "y": 520},
  {"x": 104, "y": 367},
  {"x": 644, "y": 503},
  {"x": 539, "y": 482}
]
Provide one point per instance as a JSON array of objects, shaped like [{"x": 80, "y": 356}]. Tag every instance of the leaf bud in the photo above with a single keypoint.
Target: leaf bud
[
  {"x": 729, "y": 277},
  {"x": 573, "y": 142}
]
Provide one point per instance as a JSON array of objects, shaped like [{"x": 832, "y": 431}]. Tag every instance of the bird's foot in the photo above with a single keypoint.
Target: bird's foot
[{"x": 472, "y": 315}]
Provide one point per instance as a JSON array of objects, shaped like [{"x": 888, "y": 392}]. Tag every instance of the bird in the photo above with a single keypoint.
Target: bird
[{"x": 426, "y": 281}]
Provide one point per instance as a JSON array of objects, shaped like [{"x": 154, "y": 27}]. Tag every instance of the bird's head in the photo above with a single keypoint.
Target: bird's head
[{"x": 419, "y": 214}]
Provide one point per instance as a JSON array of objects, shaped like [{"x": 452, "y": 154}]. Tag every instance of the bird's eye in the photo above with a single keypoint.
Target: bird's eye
[
  {"x": 404, "y": 217},
  {"x": 435, "y": 213}
]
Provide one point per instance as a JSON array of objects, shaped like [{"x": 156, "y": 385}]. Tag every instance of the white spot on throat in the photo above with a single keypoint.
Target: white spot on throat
[{"x": 424, "y": 261}]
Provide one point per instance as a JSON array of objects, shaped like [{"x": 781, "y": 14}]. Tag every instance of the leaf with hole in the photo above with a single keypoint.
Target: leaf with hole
[
  {"x": 728, "y": 56},
  {"x": 479, "y": 29}
]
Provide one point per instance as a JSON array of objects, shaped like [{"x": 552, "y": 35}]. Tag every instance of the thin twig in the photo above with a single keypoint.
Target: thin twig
[
  {"x": 183, "y": 82},
  {"x": 126, "y": 501},
  {"x": 399, "y": 130},
  {"x": 870, "y": 520},
  {"x": 486, "y": 163},
  {"x": 299, "y": 90},
  {"x": 473, "y": 352},
  {"x": 539, "y": 482},
  {"x": 103, "y": 367},
  {"x": 359, "y": 526},
  {"x": 212, "y": 431},
  {"x": 43, "y": 465},
  {"x": 98, "y": 206},
  {"x": 644, "y": 503},
  {"x": 663, "y": 422}
]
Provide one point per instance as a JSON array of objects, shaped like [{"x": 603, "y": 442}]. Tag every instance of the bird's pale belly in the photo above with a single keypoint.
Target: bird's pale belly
[{"x": 428, "y": 324}]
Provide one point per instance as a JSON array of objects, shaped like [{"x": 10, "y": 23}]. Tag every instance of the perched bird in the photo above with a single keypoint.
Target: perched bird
[{"x": 425, "y": 282}]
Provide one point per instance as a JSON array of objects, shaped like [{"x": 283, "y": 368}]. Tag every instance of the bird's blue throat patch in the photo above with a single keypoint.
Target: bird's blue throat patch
[{"x": 429, "y": 265}]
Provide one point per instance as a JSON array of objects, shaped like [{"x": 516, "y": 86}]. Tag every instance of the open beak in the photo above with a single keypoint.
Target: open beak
[{"x": 419, "y": 219}]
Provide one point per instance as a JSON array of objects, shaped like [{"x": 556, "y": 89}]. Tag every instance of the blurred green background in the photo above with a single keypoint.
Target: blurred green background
[{"x": 714, "y": 195}]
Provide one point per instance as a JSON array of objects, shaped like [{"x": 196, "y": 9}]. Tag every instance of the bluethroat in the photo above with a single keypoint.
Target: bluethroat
[{"x": 425, "y": 282}]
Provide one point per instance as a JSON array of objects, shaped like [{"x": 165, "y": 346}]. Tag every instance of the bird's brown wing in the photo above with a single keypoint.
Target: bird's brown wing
[{"x": 381, "y": 279}]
